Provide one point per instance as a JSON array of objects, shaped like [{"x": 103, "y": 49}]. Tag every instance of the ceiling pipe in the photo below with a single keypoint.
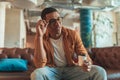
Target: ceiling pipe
[
  {"x": 72, "y": 6},
  {"x": 78, "y": 4}
]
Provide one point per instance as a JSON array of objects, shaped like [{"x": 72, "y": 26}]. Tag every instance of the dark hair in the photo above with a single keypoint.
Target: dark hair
[{"x": 46, "y": 11}]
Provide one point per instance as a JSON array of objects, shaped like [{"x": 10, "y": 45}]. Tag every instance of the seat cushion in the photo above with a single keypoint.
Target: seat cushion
[{"x": 17, "y": 75}]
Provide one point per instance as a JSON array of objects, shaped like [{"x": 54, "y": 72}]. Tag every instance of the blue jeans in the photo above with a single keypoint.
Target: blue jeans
[{"x": 69, "y": 73}]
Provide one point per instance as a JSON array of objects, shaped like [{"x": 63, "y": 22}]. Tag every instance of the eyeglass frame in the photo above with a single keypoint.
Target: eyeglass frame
[{"x": 53, "y": 21}]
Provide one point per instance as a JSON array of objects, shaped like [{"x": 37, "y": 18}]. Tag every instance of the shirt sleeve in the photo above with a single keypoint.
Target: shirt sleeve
[{"x": 38, "y": 60}]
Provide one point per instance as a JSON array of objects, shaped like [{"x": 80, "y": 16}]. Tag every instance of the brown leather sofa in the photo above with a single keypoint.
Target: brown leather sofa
[
  {"x": 24, "y": 53},
  {"x": 109, "y": 58}
]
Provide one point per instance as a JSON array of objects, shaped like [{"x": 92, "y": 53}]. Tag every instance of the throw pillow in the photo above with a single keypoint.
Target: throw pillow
[{"x": 13, "y": 64}]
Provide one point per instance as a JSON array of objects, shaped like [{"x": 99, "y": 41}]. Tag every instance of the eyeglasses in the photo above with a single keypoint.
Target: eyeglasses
[{"x": 53, "y": 21}]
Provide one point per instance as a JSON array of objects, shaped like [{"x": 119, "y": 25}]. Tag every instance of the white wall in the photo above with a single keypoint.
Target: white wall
[
  {"x": 71, "y": 20},
  {"x": 2, "y": 24},
  {"x": 15, "y": 33},
  {"x": 12, "y": 28},
  {"x": 104, "y": 29}
]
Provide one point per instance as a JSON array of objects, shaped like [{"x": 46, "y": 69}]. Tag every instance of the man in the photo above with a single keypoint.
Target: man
[{"x": 56, "y": 51}]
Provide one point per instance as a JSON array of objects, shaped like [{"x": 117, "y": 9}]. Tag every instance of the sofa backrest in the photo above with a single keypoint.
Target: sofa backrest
[
  {"x": 23, "y": 53},
  {"x": 108, "y": 57}
]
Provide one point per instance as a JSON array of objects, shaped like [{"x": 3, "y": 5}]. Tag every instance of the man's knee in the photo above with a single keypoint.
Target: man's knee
[
  {"x": 99, "y": 72},
  {"x": 99, "y": 69},
  {"x": 38, "y": 73}
]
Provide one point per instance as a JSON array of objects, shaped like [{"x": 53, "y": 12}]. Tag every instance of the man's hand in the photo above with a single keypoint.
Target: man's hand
[
  {"x": 41, "y": 27},
  {"x": 86, "y": 65}
]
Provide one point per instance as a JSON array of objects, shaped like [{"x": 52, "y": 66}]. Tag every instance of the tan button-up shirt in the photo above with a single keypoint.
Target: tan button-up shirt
[{"x": 72, "y": 44}]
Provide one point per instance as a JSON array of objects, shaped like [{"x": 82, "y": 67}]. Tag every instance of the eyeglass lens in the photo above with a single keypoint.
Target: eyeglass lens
[{"x": 52, "y": 21}]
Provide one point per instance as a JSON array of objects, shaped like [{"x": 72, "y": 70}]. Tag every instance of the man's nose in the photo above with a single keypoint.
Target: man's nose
[{"x": 57, "y": 23}]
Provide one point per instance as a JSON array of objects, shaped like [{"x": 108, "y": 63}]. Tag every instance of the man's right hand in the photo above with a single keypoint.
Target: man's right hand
[{"x": 41, "y": 27}]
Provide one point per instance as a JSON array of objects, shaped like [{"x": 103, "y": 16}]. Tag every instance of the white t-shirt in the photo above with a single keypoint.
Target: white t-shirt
[{"x": 59, "y": 54}]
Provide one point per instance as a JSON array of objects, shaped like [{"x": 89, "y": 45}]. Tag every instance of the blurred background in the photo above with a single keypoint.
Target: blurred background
[{"x": 97, "y": 21}]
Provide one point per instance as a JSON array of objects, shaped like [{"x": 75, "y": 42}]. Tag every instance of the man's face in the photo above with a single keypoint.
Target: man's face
[{"x": 55, "y": 23}]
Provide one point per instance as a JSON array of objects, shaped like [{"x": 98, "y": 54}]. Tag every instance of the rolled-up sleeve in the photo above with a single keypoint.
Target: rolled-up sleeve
[{"x": 38, "y": 60}]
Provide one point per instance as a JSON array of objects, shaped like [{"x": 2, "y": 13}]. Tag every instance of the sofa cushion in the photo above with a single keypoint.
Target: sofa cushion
[{"x": 13, "y": 64}]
